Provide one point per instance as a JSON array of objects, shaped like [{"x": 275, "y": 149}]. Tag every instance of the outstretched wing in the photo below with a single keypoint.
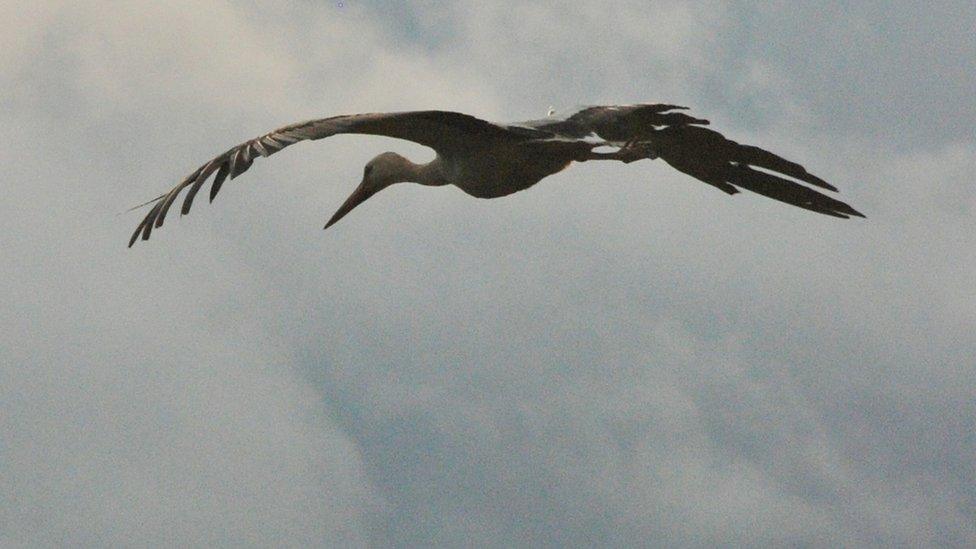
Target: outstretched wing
[
  {"x": 709, "y": 157},
  {"x": 617, "y": 124},
  {"x": 683, "y": 142},
  {"x": 443, "y": 131}
]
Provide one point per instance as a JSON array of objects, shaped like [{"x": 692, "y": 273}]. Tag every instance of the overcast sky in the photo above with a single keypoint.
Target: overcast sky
[{"x": 618, "y": 356}]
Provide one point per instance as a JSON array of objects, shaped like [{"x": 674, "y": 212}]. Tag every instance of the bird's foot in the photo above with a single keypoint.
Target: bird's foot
[{"x": 633, "y": 151}]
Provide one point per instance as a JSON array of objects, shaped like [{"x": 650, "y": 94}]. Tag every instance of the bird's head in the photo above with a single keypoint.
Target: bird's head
[{"x": 380, "y": 172}]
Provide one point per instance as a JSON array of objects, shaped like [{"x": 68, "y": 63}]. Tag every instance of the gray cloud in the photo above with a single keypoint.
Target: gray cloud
[{"x": 615, "y": 357}]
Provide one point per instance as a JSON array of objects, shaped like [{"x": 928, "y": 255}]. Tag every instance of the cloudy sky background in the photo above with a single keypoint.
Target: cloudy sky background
[{"x": 620, "y": 354}]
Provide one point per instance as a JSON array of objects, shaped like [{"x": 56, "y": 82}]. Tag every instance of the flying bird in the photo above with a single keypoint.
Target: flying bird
[{"x": 489, "y": 160}]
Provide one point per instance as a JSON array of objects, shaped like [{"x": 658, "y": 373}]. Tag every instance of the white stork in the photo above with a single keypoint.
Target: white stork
[{"x": 488, "y": 160}]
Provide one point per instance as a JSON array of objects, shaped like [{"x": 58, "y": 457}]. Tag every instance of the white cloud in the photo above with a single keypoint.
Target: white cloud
[{"x": 619, "y": 354}]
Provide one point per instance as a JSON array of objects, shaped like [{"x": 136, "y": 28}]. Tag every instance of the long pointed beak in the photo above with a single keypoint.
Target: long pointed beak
[{"x": 356, "y": 198}]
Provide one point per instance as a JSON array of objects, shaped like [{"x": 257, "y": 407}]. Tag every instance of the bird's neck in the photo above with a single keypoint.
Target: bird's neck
[{"x": 430, "y": 174}]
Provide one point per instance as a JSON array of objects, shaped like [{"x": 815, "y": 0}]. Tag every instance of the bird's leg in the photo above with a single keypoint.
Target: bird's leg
[
  {"x": 631, "y": 151},
  {"x": 590, "y": 155},
  {"x": 634, "y": 150},
  {"x": 628, "y": 153}
]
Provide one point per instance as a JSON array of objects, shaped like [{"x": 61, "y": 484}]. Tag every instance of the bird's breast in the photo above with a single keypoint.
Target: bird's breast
[{"x": 500, "y": 173}]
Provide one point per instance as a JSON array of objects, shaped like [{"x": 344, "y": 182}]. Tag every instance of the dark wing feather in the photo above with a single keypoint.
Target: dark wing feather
[
  {"x": 618, "y": 124},
  {"x": 214, "y": 189},
  {"x": 708, "y": 156},
  {"x": 789, "y": 192},
  {"x": 681, "y": 141},
  {"x": 444, "y": 131}
]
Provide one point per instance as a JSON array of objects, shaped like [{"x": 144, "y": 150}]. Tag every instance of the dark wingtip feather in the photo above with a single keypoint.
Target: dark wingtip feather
[
  {"x": 241, "y": 160},
  {"x": 759, "y": 157},
  {"x": 201, "y": 172},
  {"x": 814, "y": 180},
  {"x": 230, "y": 164},
  {"x": 675, "y": 119},
  {"x": 147, "y": 220},
  {"x": 662, "y": 107},
  {"x": 161, "y": 216},
  {"x": 219, "y": 179},
  {"x": 188, "y": 201},
  {"x": 784, "y": 190},
  {"x": 135, "y": 235},
  {"x": 851, "y": 211},
  {"x": 148, "y": 223}
]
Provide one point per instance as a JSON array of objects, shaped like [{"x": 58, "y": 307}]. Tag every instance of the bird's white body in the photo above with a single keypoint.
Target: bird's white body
[{"x": 500, "y": 171}]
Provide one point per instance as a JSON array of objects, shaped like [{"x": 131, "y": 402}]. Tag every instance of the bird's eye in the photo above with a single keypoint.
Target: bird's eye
[{"x": 366, "y": 171}]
